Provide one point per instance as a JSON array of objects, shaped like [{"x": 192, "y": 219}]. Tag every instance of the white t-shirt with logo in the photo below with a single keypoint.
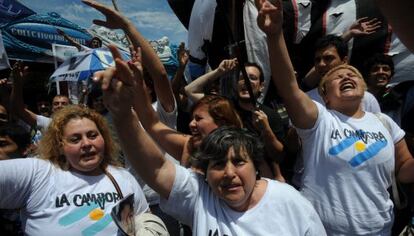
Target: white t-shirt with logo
[
  {"x": 58, "y": 202},
  {"x": 281, "y": 211},
  {"x": 348, "y": 167}
]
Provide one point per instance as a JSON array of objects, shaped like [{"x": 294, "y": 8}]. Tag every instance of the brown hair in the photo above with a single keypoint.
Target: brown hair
[
  {"x": 220, "y": 109},
  {"x": 62, "y": 96},
  {"x": 326, "y": 77},
  {"x": 50, "y": 145}
]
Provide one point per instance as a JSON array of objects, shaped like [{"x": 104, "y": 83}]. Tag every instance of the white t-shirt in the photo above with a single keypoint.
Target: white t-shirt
[
  {"x": 369, "y": 102},
  {"x": 57, "y": 202},
  {"x": 348, "y": 167},
  {"x": 42, "y": 122},
  {"x": 281, "y": 211}
]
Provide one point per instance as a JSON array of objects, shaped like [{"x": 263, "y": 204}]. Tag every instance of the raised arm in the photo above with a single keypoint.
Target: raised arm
[
  {"x": 169, "y": 139},
  {"x": 301, "y": 109},
  {"x": 69, "y": 39},
  {"x": 143, "y": 154},
  {"x": 273, "y": 146},
  {"x": 19, "y": 72},
  {"x": 178, "y": 82},
  {"x": 195, "y": 90},
  {"x": 114, "y": 20}
]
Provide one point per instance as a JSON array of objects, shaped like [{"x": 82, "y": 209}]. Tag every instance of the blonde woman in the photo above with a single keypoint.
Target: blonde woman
[{"x": 350, "y": 155}]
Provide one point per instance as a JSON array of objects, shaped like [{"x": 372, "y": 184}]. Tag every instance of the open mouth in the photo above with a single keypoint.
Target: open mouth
[
  {"x": 348, "y": 85},
  {"x": 194, "y": 132},
  {"x": 244, "y": 91},
  {"x": 381, "y": 79},
  {"x": 196, "y": 136},
  {"x": 231, "y": 186},
  {"x": 88, "y": 155}
]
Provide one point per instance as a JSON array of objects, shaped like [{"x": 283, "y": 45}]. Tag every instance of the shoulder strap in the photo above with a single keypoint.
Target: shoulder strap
[{"x": 118, "y": 189}]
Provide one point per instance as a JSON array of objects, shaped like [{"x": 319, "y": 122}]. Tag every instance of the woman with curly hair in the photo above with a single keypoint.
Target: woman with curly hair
[{"x": 74, "y": 183}]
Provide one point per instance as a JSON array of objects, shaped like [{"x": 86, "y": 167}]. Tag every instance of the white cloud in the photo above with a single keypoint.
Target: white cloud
[
  {"x": 153, "y": 18},
  {"x": 75, "y": 9},
  {"x": 78, "y": 13},
  {"x": 161, "y": 21}
]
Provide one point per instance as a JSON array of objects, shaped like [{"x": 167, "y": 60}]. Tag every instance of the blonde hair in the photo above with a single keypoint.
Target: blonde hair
[
  {"x": 326, "y": 77},
  {"x": 50, "y": 146}
]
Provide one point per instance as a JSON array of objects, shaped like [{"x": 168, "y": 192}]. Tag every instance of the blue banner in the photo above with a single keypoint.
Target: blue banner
[
  {"x": 31, "y": 38},
  {"x": 11, "y": 10}
]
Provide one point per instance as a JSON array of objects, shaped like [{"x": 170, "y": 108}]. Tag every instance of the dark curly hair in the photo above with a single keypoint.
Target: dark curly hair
[{"x": 217, "y": 144}]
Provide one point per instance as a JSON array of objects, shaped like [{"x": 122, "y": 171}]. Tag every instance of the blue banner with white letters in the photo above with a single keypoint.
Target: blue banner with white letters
[{"x": 29, "y": 36}]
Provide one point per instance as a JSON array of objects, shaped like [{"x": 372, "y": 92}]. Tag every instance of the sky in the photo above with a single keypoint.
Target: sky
[{"x": 153, "y": 18}]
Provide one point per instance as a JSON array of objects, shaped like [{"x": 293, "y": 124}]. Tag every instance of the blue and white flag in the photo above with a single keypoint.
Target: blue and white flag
[{"x": 83, "y": 64}]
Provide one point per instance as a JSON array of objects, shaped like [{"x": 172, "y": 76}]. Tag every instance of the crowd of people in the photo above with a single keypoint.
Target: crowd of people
[{"x": 206, "y": 155}]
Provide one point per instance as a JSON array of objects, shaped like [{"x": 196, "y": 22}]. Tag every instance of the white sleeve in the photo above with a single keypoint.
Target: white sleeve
[
  {"x": 307, "y": 133},
  {"x": 168, "y": 118},
  {"x": 42, "y": 122},
  {"x": 17, "y": 179},
  {"x": 183, "y": 196},
  {"x": 395, "y": 131},
  {"x": 370, "y": 103},
  {"x": 200, "y": 27}
]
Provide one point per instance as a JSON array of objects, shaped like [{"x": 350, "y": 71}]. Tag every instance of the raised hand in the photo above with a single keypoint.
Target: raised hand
[
  {"x": 19, "y": 71},
  {"x": 227, "y": 66},
  {"x": 260, "y": 120},
  {"x": 183, "y": 55},
  {"x": 364, "y": 26},
  {"x": 114, "y": 20},
  {"x": 136, "y": 57},
  {"x": 119, "y": 83},
  {"x": 270, "y": 17}
]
